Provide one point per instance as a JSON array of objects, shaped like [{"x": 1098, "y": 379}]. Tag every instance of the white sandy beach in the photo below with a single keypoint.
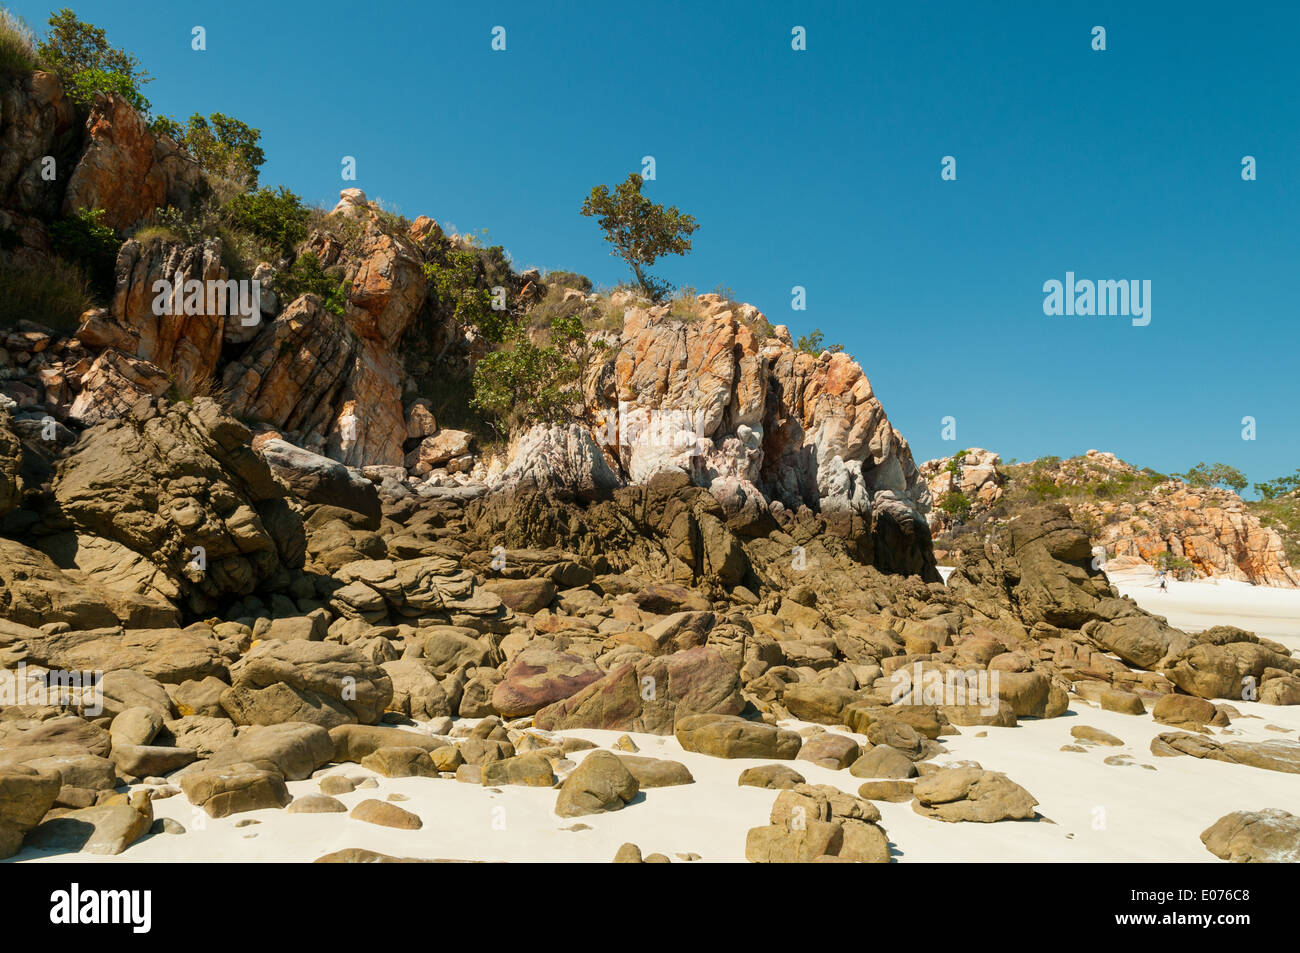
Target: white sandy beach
[{"x": 1143, "y": 809}]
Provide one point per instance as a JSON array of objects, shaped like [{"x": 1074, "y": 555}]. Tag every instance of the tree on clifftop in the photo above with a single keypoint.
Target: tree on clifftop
[
  {"x": 80, "y": 53},
  {"x": 640, "y": 231}
]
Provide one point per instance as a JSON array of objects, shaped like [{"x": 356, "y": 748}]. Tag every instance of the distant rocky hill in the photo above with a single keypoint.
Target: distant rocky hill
[{"x": 1163, "y": 521}]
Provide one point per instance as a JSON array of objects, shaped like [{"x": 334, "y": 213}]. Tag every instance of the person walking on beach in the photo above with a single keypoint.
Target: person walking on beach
[{"x": 1164, "y": 583}]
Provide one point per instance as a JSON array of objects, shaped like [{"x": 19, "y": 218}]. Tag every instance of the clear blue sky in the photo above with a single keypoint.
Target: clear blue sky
[{"x": 821, "y": 168}]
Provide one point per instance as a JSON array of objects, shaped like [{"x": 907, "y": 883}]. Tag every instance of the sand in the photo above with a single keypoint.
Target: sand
[{"x": 1146, "y": 809}]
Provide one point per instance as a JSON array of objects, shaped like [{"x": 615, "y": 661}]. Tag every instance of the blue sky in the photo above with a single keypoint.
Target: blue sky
[{"x": 821, "y": 168}]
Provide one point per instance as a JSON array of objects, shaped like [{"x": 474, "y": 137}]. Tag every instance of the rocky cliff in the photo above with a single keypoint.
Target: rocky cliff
[{"x": 1209, "y": 531}]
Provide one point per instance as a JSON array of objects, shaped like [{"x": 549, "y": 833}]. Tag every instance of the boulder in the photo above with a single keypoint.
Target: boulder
[
  {"x": 319, "y": 671},
  {"x": 599, "y": 784},
  {"x": 538, "y": 677},
  {"x": 726, "y": 736},
  {"x": 25, "y": 795},
  {"x": 961, "y": 793},
  {"x": 1270, "y": 836},
  {"x": 651, "y": 694}
]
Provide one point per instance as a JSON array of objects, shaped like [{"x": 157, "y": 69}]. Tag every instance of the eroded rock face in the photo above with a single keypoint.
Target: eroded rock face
[
  {"x": 164, "y": 486},
  {"x": 127, "y": 171},
  {"x": 752, "y": 420},
  {"x": 36, "y": 120}
]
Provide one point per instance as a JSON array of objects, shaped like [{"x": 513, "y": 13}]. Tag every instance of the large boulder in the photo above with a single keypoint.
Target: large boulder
[
  {"x": 185, "y": 492},
  {"x": 651, "y": 694},
  {"x": 25, "y": 795},
  {"x": 318, "y": 479},
  {"x": 322, "y": 673},
  {"x": 600, "y": 783},
  {"x": 1269, "y": 836},
  {"x": 961, "y": 793},
  {"x": 538, "y": 677},
  {"x": 726, "y": 736}
]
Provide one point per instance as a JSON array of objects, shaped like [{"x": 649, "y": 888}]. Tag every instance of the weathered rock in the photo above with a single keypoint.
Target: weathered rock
[
  {"x": 318, "y": 669},
  {"x": 25, "y": 795},
  {"x": 407, "y": 762},
  {"x": 386, "y": 815},
  {"x": 538, "y": 677},
  {"x": 317, "y": 804},
  {"x": 656, "y": 772},
  {"x": 1250, "y": 837},
  {"x": 726, "y": 736},
  {"x": 651, "y": 694},
  {"x": 599, "y": 784},
  {"x": 532, "y": 770},
  {"x": 972, "y": 794},
  {"x": 770, "y": 776}
]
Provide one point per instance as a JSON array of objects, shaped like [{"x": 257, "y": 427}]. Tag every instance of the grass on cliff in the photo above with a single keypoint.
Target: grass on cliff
[
  {"x": 17, "y": 45},
  {"x": 54, "y": 295}
]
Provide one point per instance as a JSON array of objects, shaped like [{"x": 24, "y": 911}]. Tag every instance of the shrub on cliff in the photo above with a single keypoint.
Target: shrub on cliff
[
  {"x": 82, "y": 56},
  {"x": 527, "y": 382},
  {"x": 86, "y": 241},
  {"x": 276, "y": 217},
  {"x": 463, "y": 288},
  {"x": 308, "y": 276}
]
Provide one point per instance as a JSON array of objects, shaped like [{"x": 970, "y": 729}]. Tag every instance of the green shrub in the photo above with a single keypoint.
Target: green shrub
[
  {"x": 462, "y": 286},
  {"x": 955, "y": 504},
  {"x": 17, "y": 45},
  {"x": 80, "y": 53},
  {"x": 276, "y": 217},
  {"x": 53, "y": 295},
  {"x": 308, "y": 276},
  {"x": 85, "y": 240},
  {"x": 1218, "y": 474},
  {"x": 568, "y": 279},
  {"x": 528, "y": 383},
  {"x": 812, "y": 344}
]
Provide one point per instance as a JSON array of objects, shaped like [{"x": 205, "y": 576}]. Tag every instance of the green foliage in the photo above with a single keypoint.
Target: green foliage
[
  {"x": 956, "y": 504},
  {"x": 17, "y": 45},
  {"x": 308, "y": 276},
  {"x": 1218, "y": 474},
  {"x": 276, "y": 217},
  {"x": 812, "y": 344},
  {"x": 1167, "y": 560},
  {"x": 568, "y": 279},
  {"x": 86, "y": 241},
  {"x": 463, "y": 289},
  {"x": 224, "y": 147},
  {"x": 640, "y": 231},
  {"x": 81, "y": 54},
  {"x": 1272, "y": 489},
  {"x": 954, "y": 465},
  {"x": 527, "y": 382},
  {"x": 55, "y": 295}
]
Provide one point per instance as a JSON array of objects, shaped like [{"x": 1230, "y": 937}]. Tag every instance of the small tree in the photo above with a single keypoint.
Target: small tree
[
  {"x": 80, "y": 53},
  {"x": 640, "y": 231},
  {"x": 1272, "y": 489},
  {"x": 224, "y": 146},
  {"x": 1219, "y": 474},
  {"x": 812, "y": 343}
]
